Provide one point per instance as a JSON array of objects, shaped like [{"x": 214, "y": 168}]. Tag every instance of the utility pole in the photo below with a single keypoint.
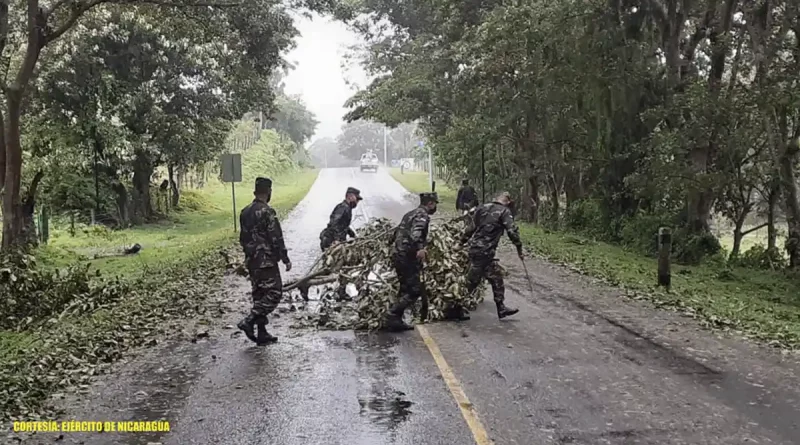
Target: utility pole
[
  {"x": 483, "y": 174},
  {"x": 96, "y": 211},
  {"x": 385, "y": 159},
  {"x": 430, "y": 166}
]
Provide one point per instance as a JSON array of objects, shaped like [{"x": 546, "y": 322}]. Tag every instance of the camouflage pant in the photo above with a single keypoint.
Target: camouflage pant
[
  {"x": 326, "y": 240},
  {"x": 409, "y": 274},
  {"x": 486, "y": 266},
  {"x": 267, "y": 290}
]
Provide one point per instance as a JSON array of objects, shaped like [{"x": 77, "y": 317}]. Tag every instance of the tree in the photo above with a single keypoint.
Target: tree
[
  {"x": 325, "y": 154},
  {"x": 649, "y": 113},
  {"x": 36, "y": 26},
  {"x": 293, "y": 120},
  {"x": 359, "y": 137}
]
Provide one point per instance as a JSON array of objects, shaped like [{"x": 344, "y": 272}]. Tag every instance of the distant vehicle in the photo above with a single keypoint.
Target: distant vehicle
[{"x": 369, "y": 161}]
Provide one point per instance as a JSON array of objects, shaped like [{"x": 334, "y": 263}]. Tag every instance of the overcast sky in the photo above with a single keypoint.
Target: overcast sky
[{"x": 319, "y": 76}]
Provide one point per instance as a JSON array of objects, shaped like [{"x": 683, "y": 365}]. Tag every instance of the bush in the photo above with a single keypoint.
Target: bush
[
  {"x": 640, "y": 232},
  {"x": 693, "y": 248},
  {"x": 586, "y": 216},
  {"x": 195, "y": 201},
  {"x": 759, "y": 257},
  {"x": 30, "y": 294}
]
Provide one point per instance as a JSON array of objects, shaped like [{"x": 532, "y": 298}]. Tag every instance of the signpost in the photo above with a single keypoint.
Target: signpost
[
  {"x": 385, "y": 158},
  {"x": 430, "y": 164},
  {"x": 232, "y": 172}
]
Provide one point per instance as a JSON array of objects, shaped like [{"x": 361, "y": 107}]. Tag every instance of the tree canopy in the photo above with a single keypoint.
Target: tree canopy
[
  {"x": 615, "y": 116},
  {"x": 130, "y": 87},
  {"x": 104, "y": 93}
]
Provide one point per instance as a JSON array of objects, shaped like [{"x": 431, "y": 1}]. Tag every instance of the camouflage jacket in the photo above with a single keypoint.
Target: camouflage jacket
[
  {"x": 412, "y": 233},
  {"x": 261, "y": 236},
  {"x": 339, "y": 225},
  {"x": 466, "y": 198},
  {"x": 489, "y": 222}
]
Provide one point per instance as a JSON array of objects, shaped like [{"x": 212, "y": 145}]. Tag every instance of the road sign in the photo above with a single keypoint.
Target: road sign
[
  {"x": 232, "y": 172},
  {"x": 231, "y": 167}
]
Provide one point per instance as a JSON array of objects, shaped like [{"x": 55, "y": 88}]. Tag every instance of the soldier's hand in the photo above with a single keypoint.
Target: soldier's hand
[
  {"x": 288, "y": 265},
  {"x": 519, "y": 252},
  {"x": 422, "y": 254}
]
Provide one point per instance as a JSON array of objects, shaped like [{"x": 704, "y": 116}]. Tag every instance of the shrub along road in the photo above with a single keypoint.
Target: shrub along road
[{"x": 577, "y": 365}]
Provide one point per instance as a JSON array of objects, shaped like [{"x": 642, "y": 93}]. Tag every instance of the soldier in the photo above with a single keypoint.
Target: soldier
[
  {"x": 483, "y": 235},
  {"x": 466, "y": 198},
  {"x": 339, "y": 225},
  {"x": 261, "y": 238},
  {"x": 338, "y": 229},
  {"x": 410, "y": 241}
]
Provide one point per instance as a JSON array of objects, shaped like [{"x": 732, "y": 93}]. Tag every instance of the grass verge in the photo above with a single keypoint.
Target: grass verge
[
  {"x": 762, "y": 305},
  {"x": 207, "y": 222},
  {"x": 152, "y": 294}
]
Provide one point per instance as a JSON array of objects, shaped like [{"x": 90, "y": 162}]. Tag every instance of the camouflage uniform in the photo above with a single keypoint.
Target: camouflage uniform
[
  {"x": 410, "y": 237},
  {"x": 261, "y": 239},
  {"x": 489, "y": 222},
  {"x": 466, "y": 198},
  {"x": 338, "y": 228}
]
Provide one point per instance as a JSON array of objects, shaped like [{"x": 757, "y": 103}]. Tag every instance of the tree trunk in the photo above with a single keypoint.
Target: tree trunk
[
  {"x": 555, "y": 193},
  {"x": 786, "y": 162},
  {"x": 738, "y": 235},
  {"x": 122, "y": 202},
  {"x": 772, "y": 204},
  {"x": 530, "y": 201},
  {"x": 13, "y": 213},
  {"x": 142, "y": 171},
  {"x": 28, "y": 232},
  {"x": 174, "y": 186},
  {"x": 12, "y": 208},
  {"x": 573, "y": 186}
]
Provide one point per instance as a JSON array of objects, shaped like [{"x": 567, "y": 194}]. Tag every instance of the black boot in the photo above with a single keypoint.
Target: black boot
[
  {"x": 246, "y": 325},
  {"x": 394, "y": 319},
  {"x": 503, "y": 311},
  {"x": 264, "y": 338},
  {"x": 457, "y": 313},
  {"x": 341, "y": 294},
  {"x": 303, "y": 291}
]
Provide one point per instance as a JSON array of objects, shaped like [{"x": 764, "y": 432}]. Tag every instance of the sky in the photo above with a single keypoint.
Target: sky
[{"x": 319, "y": 75}]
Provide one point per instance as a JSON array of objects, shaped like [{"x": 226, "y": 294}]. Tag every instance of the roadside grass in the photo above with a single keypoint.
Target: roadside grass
[
  {"x": 763, "y": 305},
  {"x": 417, "y": 182},
  {"x": 205, "y": 221},
  {"x": 162, "y": 290}
]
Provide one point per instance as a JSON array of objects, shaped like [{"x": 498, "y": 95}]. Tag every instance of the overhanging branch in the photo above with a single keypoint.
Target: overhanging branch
[{"x": 77, "y": 9}]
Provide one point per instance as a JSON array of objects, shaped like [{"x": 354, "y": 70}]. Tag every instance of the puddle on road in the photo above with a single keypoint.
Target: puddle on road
[
  {"x": 381, "y": 403},
  {"x": 386, "y": 410}
]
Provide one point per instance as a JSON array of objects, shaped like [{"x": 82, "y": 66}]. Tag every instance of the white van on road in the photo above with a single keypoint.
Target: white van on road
[{"x": 369, "y": 161}]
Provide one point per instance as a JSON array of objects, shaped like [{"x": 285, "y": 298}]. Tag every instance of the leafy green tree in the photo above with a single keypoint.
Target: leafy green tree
[
  {"x": 651, "y": 112},
  {"x": 359, "y": 137}
]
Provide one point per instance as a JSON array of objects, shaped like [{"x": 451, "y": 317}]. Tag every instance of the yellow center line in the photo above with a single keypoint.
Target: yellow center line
[{"x": 467, "y": 410}]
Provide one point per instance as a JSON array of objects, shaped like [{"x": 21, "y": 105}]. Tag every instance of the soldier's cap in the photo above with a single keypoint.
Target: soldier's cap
[
  {"x": 263, "y": 184},
  {"x": 425, "y": 198},
  {"x": 354, "y": 191}
]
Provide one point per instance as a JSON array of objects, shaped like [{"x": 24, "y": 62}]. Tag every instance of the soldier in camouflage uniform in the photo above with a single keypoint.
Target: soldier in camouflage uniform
[
  {"x": 466, "y": 198},
  {"x": 410, "y": 241},
  {"x": 261, "y": 238},
  {"x": 337, "y": 230},
  {"x": 339, "y": 225},
  {"x": 484, "y": 234}
]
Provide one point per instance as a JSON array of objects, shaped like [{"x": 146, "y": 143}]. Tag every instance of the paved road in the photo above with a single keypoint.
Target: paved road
[{"x": 578, "y": 365}]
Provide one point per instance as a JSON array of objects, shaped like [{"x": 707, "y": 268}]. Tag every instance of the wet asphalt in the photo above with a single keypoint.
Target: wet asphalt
[{"x": 578, "y": 365}]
